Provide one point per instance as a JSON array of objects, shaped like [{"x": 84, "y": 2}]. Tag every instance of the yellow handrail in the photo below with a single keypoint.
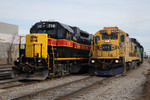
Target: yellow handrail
[
  {"x": 15, "y": 51},
  {"x": 14, "y": 55},
  {"x": 48, "y": 60},
  {"x": 53, "y": 57}
]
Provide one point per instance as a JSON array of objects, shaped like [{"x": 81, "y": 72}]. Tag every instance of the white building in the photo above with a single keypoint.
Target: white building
[{"x": 8, "y": 40}]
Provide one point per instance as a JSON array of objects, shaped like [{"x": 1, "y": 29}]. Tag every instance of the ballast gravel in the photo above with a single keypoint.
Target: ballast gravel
[
  {"x": 127, "y": 87},
  {"x": 18, "y": 91}
]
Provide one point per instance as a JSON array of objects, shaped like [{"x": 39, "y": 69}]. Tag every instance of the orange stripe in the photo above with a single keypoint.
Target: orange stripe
[
  {"x": 89, "y": 48},
  {"x": 75, "y": 45},
  {"x": 65, "y": 43},
  {"x": 52, "y": 41}
]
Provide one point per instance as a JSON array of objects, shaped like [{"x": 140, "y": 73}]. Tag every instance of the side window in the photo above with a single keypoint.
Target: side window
[
  {"x": 69, "y": 36},
  {"x": 122, "y": 38},
  {"x": 51, "y": 32},
  {"x": 105, "y": 36},
  {"x": 61, "y": 34},
  {"x": 135, "y": 47},
  {"x": 97, "y": 38}
]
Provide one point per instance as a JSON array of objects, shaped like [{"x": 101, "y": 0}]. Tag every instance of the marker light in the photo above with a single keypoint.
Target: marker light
[{"x": 110, "y": 27}]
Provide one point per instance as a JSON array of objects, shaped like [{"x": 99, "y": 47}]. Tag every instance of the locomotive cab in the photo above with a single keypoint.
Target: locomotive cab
[{"x": 109, "y": 51}]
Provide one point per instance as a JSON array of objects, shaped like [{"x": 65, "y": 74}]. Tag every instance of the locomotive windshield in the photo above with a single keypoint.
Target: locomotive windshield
[
  {"x": 61, "y": 33},
  {"x": 51, "y": 32},
  {"x": 113, "y": 36},
  {"x": 105, "y": 36}
]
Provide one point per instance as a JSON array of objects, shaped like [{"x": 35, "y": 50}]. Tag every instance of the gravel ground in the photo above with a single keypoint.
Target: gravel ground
[
  {"x": 127, "y": 87},
  {"x": 65, "y": 90},
  {"x": 18, "y": 91},
  {"x": 146, "y": 90}
]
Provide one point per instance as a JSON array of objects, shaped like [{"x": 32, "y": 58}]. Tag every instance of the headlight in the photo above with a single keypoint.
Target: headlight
[
  {"x": 106, "y": 40},
  {"x": 117, "y": 61},
  {"x": 17, "y": 60},
  {"x": 93, "y": 61},
  {"x": 39, "y": 60}
]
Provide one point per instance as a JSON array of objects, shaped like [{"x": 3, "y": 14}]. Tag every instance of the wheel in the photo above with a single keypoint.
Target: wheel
[
  {"x": 76, "y": 68},
  {"x": 136, "y": 65},
  {"x": 132, "y": 65}
]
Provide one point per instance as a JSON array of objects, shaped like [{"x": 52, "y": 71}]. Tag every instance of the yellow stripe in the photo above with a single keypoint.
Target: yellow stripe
[
  {"x": 52, "y": 45},
  {"x": 105, "y": 57},
  {"x": 70, "y": 58}
]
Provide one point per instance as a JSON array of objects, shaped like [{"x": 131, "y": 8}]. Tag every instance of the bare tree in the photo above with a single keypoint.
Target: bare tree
[{"x": 10, "y": 49}]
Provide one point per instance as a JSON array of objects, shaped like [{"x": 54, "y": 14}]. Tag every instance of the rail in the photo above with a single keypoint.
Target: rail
[{"x": 51, "y": 89}]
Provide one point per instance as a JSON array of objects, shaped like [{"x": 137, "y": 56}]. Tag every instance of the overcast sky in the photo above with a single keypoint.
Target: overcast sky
[{"x": 132, "y": 16}]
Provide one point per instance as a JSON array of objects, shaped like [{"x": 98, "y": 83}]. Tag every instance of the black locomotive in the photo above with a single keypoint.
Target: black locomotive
[{"x": 53, "y": 49}]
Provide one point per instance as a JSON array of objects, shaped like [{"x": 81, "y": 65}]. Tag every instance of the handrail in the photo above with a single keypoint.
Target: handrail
[
  {"x": 48, "y": 60},
  {"x": 91, "y": 51},
  {"x": 14, "y": 55},
  {"x": 15, "y": 51},
  {"x": 53, "y": 57}
]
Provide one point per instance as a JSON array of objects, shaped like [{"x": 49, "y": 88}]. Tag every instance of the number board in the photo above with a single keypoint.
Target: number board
[{"x": 51, "y": 26}]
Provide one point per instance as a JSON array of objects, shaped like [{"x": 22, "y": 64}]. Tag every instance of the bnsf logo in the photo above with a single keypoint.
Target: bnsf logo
[
  {"x": 107, "y": 47},
  {"x": 33, "y": 39}
]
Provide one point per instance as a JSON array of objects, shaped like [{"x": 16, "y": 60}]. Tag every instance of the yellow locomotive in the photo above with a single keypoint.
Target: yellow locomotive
[{"x": 114, "y": 52}]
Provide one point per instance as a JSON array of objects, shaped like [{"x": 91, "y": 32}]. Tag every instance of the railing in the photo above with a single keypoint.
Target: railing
[
  {"x": 13, "y": 57},
  {"x": 53, "y": 56},
  {"x": 18, "y": 46}
]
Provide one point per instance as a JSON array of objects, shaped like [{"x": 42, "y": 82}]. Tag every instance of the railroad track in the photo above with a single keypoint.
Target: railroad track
[
  {"x": 5, "y": 84},
  {"x": 2, "y": 69},
  {"x": 68, "y": 90},
  {"x": 63, "y": 90},
  {"x": 5, "y": 72},
  {"x": 10, "y": 84}
]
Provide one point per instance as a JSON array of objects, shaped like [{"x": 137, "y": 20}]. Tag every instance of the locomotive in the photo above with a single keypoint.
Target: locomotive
[
  {"x": 52, "y": 49},
  {"x": 114, "y": 52}
]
